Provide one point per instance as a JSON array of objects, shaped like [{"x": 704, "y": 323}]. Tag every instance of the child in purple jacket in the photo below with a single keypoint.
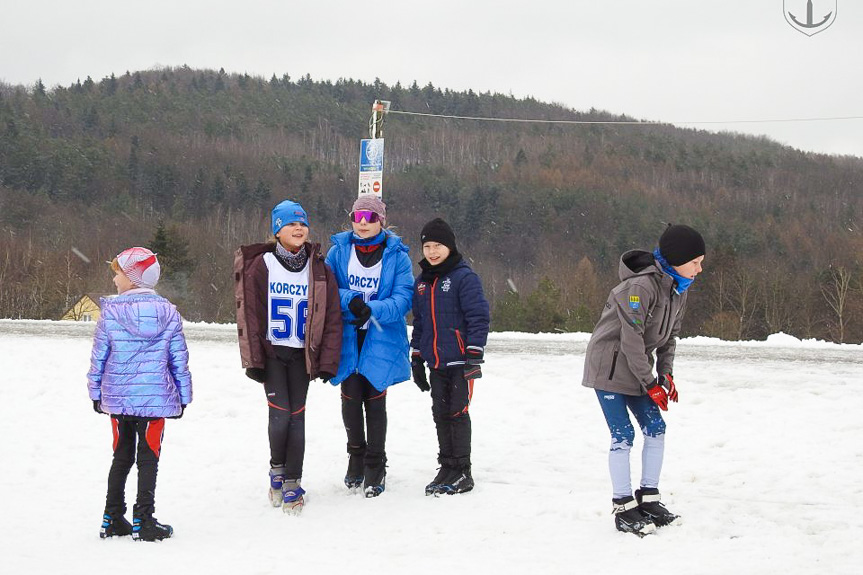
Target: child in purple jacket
[{"x": 139, "y": 375}]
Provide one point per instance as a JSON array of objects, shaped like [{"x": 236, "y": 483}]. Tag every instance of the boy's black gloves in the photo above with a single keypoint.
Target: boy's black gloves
[
  {"x": 473, "y": 357},
  {"x": 182, "y": 411},
  {"x": 97, "y": 406},
  {"x": 259, "y": 374},
  {"x": 326, "y": 376},
  {"x": 360, "y": 309},
  {"x": 418, "y": 369}
]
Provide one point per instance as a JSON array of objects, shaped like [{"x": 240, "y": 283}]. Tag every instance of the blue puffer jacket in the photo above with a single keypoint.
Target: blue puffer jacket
[
  {"x": 450, "y": 314},
  {"x": 384, "y": 359},
  {"x": 140, "y": 363}
]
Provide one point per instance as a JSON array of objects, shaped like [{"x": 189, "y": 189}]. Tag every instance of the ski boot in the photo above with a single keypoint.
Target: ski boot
[
  {"x": 114, "y": 525},
  {"x": 277, "y": 478},
  {"x": 374, "y": 481},
  {"x": 628, "y": 519},
  {"x": 292, "y": 497},
  {"x": 148, "y": 529},
  {"x": 354, "y": 475},
  {"x": 650, "y": 507},
  {"x": 443, "y": 471},
  {"x": 459, "y": 479}
]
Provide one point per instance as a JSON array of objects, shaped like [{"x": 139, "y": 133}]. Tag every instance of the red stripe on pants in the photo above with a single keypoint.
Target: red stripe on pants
[
  {"x": 116, "y": 431},
  {"x": 155, "y": 430}
]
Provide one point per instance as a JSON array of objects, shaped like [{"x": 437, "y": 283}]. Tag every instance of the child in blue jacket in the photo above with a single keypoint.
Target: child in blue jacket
[
  {"x": 450, "y": 328},
  {"x": 373, "y": 272},
  {"x": 139, "y": 375}
]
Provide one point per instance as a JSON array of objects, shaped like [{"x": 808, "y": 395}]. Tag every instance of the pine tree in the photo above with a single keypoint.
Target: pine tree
[
  {"x": 261, "y": 195},
  {"x": 177, "y": 266},
  {"x": 133, "y": 169}
]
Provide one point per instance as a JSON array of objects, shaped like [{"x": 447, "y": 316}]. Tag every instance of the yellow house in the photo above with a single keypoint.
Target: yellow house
[{"x": 85, "y": 309}]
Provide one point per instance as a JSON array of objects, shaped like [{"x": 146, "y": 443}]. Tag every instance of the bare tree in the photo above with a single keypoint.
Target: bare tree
[
  {"x": 742, "y": 297},
  {"x": 836, "y": 287},
  {"x": 779, "y": 307}
]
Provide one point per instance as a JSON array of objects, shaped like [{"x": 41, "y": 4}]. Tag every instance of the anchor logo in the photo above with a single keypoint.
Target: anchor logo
[{"x": 811, "y": 25}]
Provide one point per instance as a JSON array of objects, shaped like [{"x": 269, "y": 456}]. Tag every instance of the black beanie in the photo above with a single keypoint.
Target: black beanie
[
  {"x": 438, "y": 231},
  {"x": 680, "y": 244}
]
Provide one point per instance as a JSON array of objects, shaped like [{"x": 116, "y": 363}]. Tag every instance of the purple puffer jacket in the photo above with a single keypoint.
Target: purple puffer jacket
[{"x": 140, "y": 363}]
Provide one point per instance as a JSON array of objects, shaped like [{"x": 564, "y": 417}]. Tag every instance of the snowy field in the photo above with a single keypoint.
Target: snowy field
[{"x": 764, "y": 461}]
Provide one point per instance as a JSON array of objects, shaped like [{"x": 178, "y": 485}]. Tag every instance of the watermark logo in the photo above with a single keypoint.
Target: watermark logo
[{"x": 809, "y": 17}]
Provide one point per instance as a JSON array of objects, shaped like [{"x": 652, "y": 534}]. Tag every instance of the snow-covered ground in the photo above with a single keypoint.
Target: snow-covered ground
[{"x": 764, "y": 460}]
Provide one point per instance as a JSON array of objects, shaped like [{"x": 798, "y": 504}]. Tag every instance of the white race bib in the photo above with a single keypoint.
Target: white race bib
[
  {"x": 364, "y": 280},
  {"x": 287, "y": 303}
]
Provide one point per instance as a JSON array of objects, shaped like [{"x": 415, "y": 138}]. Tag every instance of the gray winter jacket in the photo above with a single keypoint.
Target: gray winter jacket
[{"x": 642, "y": 316}]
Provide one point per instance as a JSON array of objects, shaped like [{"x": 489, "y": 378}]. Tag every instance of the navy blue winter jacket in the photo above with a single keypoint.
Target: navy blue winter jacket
[{"x": 450, "y": 314}]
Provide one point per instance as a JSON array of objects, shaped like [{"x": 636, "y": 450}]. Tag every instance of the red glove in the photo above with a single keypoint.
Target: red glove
[
  {"x": 668, "y": 383},
  {"x": 658, "y": 395}
]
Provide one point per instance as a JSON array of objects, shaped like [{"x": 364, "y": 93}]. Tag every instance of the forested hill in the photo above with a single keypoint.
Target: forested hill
[{"x": 189, "y": 162}]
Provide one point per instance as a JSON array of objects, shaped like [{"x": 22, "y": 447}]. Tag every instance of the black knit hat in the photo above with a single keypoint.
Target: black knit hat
[
  {"x": 680, "y": 244},
  {"x": 438, "y": 231}
]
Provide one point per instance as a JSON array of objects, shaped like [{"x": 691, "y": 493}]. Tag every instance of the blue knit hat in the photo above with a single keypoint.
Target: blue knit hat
[{"x": 288, "y": 212}]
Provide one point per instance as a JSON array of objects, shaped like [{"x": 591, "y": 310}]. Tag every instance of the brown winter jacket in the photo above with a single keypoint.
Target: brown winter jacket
[
  {"x": 641, "y": 316},
  {"x": 323, "y": 323}
]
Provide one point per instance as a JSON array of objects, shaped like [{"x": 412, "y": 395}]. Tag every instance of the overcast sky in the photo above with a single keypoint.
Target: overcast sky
[{"x": 669, "y": 60}]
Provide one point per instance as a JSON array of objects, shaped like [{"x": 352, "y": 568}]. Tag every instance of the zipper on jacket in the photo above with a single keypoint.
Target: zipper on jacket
[
  {"x": 434, "y": 326},
  {"x": 460, "y": 342},
  {"x": 613, "y": 364},
  {"x": 662, "y": 325},
  {"x": 666, "y": 315}
]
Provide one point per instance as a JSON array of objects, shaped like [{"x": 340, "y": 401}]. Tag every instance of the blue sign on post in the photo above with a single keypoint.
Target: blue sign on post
[{"x": 371, "y": 167}]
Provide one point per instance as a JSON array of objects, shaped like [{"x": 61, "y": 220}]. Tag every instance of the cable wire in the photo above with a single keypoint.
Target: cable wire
[{"x": 625, "y": 122}]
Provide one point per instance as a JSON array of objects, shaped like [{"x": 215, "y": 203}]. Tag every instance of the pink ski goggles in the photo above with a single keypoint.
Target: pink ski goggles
[{"x": 359, "y": 215}]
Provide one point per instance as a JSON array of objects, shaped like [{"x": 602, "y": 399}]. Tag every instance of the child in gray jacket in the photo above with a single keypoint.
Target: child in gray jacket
[{"x": 641, "y": 319}]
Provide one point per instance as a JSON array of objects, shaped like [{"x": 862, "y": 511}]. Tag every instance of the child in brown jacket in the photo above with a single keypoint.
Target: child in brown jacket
[{"x": 290, "y": 331}]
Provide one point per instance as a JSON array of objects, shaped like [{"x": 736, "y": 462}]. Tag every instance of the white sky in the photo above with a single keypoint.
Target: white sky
[{"x": 669, "y": 60}]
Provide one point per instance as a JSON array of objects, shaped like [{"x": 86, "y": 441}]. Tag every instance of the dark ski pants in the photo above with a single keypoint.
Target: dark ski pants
[
  {"x": 451, "y": 394},
  {"x": 148, "y": 433},
  {"x": 358, "y": 393},
  {"x": 286, "y": 386}
]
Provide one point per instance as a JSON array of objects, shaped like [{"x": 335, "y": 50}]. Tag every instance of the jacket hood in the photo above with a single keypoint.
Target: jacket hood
[
  {"x": 394, "y": 242},
  {"x": 637, "y": 263},
  {"x": 140, "y": 314}
]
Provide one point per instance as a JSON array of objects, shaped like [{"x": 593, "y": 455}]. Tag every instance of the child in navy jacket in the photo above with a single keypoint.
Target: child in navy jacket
[{"x": 450, "y": 328}]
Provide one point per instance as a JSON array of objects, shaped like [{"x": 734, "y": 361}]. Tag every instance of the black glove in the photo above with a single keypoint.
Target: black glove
[
  {"x": 473, "y": 357},
  {"x": 259, "y": 374},
  {"x": 182, "y": 411},
  {"x": 97, "y": 406},
  {"x": 472, "y": 371},
  {"x": 418, "y": 369},
  {"x": 361, "y": 310},
  {"x": 326, "y": 376}
]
